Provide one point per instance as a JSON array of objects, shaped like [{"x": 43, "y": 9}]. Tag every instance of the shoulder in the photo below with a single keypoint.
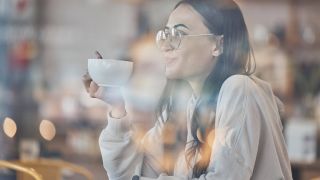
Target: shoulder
[
  {"x": 245, "y": 87},
  {"x": 237, "y": 85},
  {"x": 238, "y": 81}
]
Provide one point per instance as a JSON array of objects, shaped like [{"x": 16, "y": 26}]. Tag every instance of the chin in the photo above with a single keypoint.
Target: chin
[
  {"x": 171, "y": 77},
  {"x": 172, "y": 74},
  {"x": 174, "y": 70}
]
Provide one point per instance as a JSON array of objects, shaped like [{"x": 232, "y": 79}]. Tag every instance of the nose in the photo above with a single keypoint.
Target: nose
[{"x": 166, "y": 46}]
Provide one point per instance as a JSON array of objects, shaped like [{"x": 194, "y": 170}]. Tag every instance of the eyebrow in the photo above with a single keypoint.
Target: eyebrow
[{"x": 178, "y": 25}]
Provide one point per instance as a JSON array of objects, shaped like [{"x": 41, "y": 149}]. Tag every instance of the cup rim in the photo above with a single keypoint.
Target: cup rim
[{"x": 112, "y": 60}]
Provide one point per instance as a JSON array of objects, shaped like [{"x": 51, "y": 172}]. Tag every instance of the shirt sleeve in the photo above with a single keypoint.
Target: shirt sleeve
[
  {"x": 124, "y": 156},
  {"x": 120, "y": 154}
]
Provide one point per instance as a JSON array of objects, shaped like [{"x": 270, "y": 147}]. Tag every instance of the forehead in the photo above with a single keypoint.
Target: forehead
[{"x": 185, "y": 14}]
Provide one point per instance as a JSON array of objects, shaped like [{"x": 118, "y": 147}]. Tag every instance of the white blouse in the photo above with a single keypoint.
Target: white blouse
[{"x": 248, "y": 142}]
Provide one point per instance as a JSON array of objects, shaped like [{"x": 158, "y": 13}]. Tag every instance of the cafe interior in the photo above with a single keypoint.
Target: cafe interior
[{"x": 49, "y": 125}]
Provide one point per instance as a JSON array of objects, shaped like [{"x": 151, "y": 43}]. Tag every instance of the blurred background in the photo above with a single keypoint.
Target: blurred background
[{"x": 45, "y": 111}]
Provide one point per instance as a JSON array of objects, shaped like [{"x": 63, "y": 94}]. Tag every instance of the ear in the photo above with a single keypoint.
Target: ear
[{"x": 217, "y": 48}]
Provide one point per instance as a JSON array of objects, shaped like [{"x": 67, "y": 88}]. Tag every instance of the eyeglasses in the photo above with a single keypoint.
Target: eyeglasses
[{"x": 173, "y": 37}]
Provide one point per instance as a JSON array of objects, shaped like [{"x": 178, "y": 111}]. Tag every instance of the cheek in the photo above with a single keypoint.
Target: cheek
[
  {"x": 192, "y": 59},
  {"x": 197, "y": 49},
  {"x": 196, "y": 57}
]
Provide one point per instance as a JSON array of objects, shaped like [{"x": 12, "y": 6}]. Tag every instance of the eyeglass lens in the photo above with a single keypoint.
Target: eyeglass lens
[{"x": 170, "y": 36}]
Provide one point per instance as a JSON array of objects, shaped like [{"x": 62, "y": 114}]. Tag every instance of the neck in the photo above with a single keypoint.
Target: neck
[{"x": 196, "y": 85}]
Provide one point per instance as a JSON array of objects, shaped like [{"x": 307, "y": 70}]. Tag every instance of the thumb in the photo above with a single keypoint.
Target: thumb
[
  {"x": 99, "y": 93},
  {"x": 93, "y": 89}
]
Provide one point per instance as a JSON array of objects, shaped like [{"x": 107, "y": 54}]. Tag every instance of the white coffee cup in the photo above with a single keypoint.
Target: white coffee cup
[{"x": 110, "y": 72}]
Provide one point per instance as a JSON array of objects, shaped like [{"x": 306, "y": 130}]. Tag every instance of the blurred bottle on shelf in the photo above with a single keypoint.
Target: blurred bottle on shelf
[{"x": 301, "y": 138}]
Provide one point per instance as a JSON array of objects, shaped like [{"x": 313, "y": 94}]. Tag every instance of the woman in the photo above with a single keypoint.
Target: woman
[{"x": 233, "y": 123}]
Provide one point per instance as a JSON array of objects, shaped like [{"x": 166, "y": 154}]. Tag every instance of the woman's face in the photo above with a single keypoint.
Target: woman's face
[{"x": 194, "y": 58}]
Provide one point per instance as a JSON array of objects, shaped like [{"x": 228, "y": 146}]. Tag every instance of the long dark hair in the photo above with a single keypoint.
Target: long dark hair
[{"x": 221, "y": 18}]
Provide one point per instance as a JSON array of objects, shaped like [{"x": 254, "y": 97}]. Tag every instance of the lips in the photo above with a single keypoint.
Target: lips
[{"x": 169, "y": 59}]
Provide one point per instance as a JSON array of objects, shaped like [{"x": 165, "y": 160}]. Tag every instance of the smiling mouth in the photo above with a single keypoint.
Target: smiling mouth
[{"x": 170, "y": 60}]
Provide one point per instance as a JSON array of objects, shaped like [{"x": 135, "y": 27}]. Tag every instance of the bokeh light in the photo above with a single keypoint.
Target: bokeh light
[
  {"x": 47, "y": 130},
  {"x": 9, "y": 127}
]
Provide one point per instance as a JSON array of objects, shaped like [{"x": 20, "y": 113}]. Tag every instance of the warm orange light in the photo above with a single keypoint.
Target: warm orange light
[
  {"x": 9, "y": 127},
  {"x": 47, "y": 130}
]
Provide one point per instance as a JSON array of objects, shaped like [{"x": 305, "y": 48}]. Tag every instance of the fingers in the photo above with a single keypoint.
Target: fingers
[
  {"x": 112, "y": 96},
  {"x": 93, "y": 88},
  {"x": 100, "y": 93},
  {"x": 86, "y": 79}
]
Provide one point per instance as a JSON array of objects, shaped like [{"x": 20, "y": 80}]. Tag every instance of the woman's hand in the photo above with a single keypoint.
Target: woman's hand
[{"x": 110, "y": 95}]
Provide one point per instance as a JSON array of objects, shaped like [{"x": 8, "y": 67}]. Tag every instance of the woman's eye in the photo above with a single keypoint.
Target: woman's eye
[{"x": 182, "y": 33}]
